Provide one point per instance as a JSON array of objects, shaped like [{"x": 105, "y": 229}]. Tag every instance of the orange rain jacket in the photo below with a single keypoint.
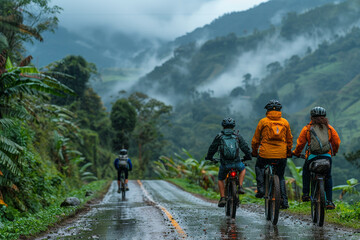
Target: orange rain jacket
[
  {"x": 304, "y": 138},
  {"x": 270, "y": 148}
]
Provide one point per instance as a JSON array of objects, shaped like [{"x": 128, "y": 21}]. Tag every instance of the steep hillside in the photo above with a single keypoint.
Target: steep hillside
[
  {"x": 193, "y": 68},
  {"x": 242, "y": 23},
  {"x": 310, "y": 59}
]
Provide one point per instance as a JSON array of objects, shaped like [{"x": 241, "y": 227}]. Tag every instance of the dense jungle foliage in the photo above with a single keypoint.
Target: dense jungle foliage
[{"x": 55, "y": 135}]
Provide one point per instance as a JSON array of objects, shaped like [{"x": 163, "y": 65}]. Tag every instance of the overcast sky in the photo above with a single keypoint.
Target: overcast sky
[{"x": 164, "y": 19}]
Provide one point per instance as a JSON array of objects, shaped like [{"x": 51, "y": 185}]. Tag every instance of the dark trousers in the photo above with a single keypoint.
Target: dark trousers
[
  {"x": 306, "y": 178},
  {"x": 280, "y": 170}
]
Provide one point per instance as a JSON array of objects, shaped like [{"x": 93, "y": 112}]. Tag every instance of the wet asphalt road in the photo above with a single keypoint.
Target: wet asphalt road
[{"x": 145, "y": 213}]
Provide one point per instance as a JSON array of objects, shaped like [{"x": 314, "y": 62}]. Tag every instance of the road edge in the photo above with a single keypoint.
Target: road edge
[{"x": 83, "y": 209}]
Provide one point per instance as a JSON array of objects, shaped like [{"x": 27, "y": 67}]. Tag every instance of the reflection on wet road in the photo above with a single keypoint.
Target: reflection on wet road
[{"x": 135, "y": 218}]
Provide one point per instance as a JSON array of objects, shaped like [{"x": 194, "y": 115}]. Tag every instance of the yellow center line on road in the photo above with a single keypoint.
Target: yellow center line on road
[{"x": 167, "y": 213}]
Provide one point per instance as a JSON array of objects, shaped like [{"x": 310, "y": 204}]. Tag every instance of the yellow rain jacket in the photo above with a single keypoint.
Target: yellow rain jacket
[{"x": 273, "y": 136}]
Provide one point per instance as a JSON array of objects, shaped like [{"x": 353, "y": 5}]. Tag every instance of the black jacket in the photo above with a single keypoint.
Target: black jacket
[{"x": 214, "y": 147}]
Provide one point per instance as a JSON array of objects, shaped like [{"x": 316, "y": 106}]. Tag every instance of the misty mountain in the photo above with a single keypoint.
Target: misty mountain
[
  {"x": 227, "y": 59},
  {"x": 121, "y": 50},
  {"x": 257, "y": 18},
  {"x": 96, "y": 45},
  {"x": 310, "y": 59}
]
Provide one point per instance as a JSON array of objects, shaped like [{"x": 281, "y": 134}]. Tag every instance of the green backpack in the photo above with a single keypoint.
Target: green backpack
[
  {"x": 319, "y": 140},
  {"x": 229, "y": 147}
]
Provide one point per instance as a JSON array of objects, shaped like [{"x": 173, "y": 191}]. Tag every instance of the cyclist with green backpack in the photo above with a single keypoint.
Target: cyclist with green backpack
[
  {"x": 322, "y": 142},
  {"x": 228, "y": 143}
]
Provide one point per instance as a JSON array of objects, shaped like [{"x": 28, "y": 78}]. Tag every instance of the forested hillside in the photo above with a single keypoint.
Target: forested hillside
[
  {"x": 244, "y": 23},
  {"x": 55, "y": 135},
  {"x": 310, "y": 59}
]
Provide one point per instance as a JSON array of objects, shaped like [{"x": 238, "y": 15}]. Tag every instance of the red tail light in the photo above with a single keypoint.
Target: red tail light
[{"x": 233, "y": 174}]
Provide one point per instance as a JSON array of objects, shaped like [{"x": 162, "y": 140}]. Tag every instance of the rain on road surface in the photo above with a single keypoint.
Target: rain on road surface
[{"x": 145, "y": 213}]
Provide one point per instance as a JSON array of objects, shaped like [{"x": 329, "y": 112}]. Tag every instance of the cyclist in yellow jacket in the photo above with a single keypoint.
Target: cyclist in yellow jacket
[{"x": 272, "y": 143}]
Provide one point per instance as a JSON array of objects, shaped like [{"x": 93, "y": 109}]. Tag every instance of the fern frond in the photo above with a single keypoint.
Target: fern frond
[{"x": 9, "y": 164}]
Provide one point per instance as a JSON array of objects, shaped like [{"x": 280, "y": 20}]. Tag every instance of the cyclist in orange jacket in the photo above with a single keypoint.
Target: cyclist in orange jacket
[
  {"x": 318, "y": 117},
  {"x": 272, "y": 142}
]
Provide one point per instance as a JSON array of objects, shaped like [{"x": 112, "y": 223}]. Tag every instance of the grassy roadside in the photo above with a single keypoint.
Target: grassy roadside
[
  {"x": 344, "y": 215},
  {"x": 35, "y": 223}
]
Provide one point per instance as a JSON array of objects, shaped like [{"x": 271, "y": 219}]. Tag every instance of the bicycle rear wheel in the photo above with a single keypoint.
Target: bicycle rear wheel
[
  {"x": 320, "y": 208},
  {"x": 267, "y": 197},
  {"x": 275, "y": 200},
  {"x": 314, "y": 201},
  {"x": 227, "y": 194},
  {"x": 233, "y": 200},
  {"x": 123, "y": 192}
]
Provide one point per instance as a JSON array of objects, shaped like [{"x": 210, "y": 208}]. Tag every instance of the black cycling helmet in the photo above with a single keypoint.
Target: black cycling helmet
[
  {"x": 318, "y": 111},
  {"x": 273, "y": 105},
  {"x": 123, "y": 152},
  {"x": 228, "y": 123}
]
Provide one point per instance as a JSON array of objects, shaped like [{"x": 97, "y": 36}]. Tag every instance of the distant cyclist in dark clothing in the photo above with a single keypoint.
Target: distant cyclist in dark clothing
[
  {"x": 123, "y": 163},
  {"x": 228, "y": 143}
]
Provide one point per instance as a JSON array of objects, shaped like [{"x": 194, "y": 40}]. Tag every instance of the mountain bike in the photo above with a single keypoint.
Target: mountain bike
[
  {"x": 231, "y": 193},
  {"x": 272, "y": 193},
  {"x": 318, "y": 169}
]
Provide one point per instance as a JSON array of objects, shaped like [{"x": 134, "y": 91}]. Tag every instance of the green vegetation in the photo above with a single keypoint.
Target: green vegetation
[
  {"x": 137, "y": 121},
  {"x": 53, "y": 140},
  {"x": 347, "y": 215},
  {"x": 30, "y": 224}
]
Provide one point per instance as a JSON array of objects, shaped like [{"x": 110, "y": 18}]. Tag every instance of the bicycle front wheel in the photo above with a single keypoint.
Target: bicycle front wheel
[{"x": 275, "y": 200}]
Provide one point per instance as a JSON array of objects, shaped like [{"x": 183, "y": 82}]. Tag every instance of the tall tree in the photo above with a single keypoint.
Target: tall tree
[
  {"x": 123, "y": 120},
  {"x": 76, "y": 73},
  {"x": 25, "y": 20},
  {"x": 150, "y": 117}
]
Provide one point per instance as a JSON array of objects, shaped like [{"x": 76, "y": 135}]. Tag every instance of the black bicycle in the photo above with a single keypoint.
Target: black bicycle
[
  {"x": 272, "y": 193},
  {"x": 231, "y": 193},
  {"x": 318, "y": 169}
]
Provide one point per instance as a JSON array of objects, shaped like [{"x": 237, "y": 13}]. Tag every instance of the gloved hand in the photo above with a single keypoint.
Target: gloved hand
[
  {"x": 247, "y": 158},
  {"x": 209, "y": 159},
  {"x": 293, "y": 154}
]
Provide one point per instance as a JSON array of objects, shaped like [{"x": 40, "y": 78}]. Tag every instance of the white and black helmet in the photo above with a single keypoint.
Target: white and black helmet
[{"x": 318, "y": 112}]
